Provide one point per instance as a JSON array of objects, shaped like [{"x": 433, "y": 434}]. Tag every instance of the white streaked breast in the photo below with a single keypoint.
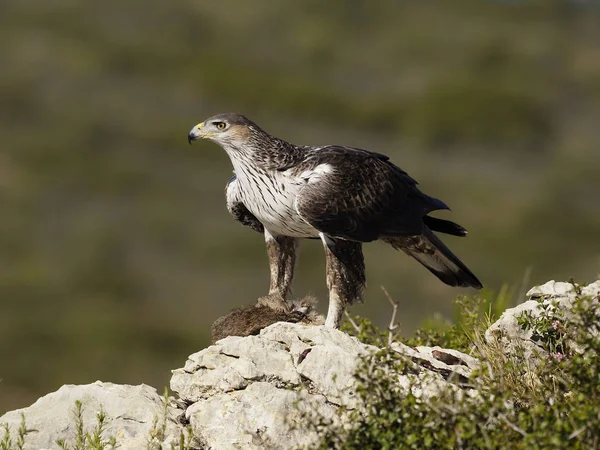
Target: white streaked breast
[{"x": 270, "y": 197}]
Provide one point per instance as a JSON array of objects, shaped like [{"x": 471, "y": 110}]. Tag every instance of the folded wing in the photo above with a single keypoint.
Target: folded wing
[{"x": 360, "y": 196}]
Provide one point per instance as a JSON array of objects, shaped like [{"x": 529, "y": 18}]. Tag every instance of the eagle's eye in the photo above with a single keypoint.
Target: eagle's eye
[{"x": 220, "y": 125}]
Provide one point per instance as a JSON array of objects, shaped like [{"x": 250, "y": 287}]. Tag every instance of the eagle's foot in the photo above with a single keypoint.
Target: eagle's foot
[{"x": 276, "y": 302}]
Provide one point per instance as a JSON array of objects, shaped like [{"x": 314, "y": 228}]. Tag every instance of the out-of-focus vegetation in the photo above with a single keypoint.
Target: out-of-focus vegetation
[{"x": 116, "y": 250}]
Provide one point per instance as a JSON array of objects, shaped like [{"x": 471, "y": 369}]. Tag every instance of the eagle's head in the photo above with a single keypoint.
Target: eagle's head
[{"x": 228, "y": 129}]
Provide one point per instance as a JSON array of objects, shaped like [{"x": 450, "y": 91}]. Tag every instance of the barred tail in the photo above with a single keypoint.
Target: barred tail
[{"x": 432, "y": 253}]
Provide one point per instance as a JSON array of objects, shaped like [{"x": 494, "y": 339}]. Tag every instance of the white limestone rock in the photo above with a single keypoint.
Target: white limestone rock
[
  {"x": 516, "y": 340},
  {"x": 232, "y": 364},
  {"x": 252, "y": 392},
  {"x": 130, "y": 414},
  {"x": 261, "y": 416}
]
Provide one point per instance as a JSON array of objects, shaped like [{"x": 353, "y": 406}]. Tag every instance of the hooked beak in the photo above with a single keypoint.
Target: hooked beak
[{"x": 195, "y": 133}]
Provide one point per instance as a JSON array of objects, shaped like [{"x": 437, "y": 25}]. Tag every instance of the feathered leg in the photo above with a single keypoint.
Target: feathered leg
[
  {"x": 345, "y": 270},
  {"x": 281, "y": 251}
]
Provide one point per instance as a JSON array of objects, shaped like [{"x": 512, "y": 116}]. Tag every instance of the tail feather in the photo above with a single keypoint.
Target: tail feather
[
  {"x": 444, "y": 226},
  {"x": 432, "y": 253}
]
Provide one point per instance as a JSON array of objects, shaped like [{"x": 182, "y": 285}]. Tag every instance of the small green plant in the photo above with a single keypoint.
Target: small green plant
[
  {"x": 88, "y": 440},
  {"x": 158, "y": 431},
  {"x": 367, "y": 332},
  {"x": 472, "y": 315},
  {"x": 7, "y": 442},
  {"x": 364, "y": 329},
  {"x": 547, "y": 328}
]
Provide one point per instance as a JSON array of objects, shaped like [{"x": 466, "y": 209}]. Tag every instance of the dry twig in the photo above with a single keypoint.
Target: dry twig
[
  {"x": 393, "y": 325},
  {"x": 352, "y": 322}
]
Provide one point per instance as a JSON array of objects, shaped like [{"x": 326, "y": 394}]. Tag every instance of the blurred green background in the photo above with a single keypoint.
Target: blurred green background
[{"x": 116, "y": 249}]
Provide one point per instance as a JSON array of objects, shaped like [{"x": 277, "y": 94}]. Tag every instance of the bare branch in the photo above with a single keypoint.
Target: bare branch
[
  {"x": 393, "y": 325},
  {"x": 352, "y": 322},
  {"x": 576, "y": 433},
  {"x": 512, "y": 425}
]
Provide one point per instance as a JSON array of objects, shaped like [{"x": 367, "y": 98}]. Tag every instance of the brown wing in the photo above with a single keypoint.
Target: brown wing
[{"x": 363, "y": 198}]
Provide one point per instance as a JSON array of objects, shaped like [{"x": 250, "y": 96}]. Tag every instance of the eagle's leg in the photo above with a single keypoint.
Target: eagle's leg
[
  {"x": 345, "y": 269},
  {"x": 281, "y": 251}
]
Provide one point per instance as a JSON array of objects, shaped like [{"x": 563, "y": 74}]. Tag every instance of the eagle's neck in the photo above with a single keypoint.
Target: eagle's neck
[{"x": 263, "y": 152}]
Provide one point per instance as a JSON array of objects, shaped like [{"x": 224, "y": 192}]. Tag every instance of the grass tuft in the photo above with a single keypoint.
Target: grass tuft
[
  {"x": 7, "y": 442},
  {"x": 88, "y": 440}
]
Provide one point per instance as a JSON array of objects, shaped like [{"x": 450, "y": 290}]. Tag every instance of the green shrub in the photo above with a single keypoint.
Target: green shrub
[{"x": 552, "y": 402}]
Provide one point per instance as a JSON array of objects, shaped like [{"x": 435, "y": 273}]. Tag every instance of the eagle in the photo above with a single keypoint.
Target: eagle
[{"x": 343, "y": 196}]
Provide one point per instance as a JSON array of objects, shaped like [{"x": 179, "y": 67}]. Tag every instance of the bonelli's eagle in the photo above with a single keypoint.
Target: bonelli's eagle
[{"x": 344, "y": 196}]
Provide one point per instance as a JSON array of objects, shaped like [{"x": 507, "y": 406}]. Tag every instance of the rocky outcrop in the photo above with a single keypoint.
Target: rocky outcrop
[
  {"x": 267, "y": 384},
  {"x": 256, "y": 392},
  {"x": 135, "y": 417},
  {"x": 519, "y": 341},
  {"x": 250, "y": 392}
]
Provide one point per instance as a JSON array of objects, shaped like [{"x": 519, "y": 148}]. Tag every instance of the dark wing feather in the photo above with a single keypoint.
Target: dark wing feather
[
  {"x": 237, "y": 209},
  {"x": 444, "y": 226},
  {"x": 364, "y": 198}
]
